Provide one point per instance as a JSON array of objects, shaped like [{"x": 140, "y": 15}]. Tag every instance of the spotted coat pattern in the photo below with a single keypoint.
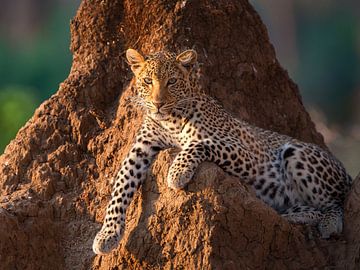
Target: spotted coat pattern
[{"x": 303, "y": 182}]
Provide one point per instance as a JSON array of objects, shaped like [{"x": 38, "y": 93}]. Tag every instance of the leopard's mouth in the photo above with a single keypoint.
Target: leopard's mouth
[
  {"x": 162, "y": 113},
  {"x": 159, "y": 116}
]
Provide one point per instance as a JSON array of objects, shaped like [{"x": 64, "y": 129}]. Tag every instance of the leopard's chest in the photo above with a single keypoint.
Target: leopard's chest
[{"x": 182, "y": 131}]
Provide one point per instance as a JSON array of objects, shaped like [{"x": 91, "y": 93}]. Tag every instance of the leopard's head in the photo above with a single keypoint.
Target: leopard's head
[{"x": 163, "y": 79}]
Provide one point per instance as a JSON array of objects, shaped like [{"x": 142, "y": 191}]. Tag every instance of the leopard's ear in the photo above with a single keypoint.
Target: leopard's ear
[
  {"x": 187, "y": 58},
  {"x": 135, "y": 60}
]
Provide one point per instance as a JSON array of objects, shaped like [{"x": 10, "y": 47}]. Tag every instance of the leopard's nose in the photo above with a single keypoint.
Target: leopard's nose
[{"x": 158, "y": 105}]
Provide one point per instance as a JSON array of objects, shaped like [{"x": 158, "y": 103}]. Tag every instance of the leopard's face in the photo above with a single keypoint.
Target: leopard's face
[{"x": 162, "y": 80}]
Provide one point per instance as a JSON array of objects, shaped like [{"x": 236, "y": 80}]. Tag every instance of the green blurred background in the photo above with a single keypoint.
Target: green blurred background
[
  {"x": 34, "y": 57},
  {"x": 318, "y": 42}
]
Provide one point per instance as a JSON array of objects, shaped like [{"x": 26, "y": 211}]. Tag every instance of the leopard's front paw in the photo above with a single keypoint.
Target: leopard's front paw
[
  {"x": 106, "y": 240},
  {"x": 178, "y": 180}
]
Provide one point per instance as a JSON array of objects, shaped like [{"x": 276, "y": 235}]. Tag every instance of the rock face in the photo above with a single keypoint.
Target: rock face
[{"x": 56, "y": 175}]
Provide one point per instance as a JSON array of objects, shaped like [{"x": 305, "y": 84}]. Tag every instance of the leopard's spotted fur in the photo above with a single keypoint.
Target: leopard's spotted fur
[{"x": 300, "y": 180}]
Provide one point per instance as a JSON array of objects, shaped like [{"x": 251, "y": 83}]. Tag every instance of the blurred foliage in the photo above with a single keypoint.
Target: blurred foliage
[
  {"x": 328, "y": 73},
  {"x": 31, "y": 71},
  {"x": 318, "y": 43},
  {"x": 17, "y": 104}
]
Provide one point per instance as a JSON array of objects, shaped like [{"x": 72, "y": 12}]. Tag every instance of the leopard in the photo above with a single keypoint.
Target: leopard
[{"x": 303, "y": 182}]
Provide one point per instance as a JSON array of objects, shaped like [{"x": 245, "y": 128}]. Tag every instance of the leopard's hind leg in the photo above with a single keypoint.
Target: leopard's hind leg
[{"x": 316, "y": 198}]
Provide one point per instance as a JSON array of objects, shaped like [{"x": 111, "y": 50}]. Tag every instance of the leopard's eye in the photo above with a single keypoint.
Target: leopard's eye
[
  {"x": 148, "y": 80},
  {"x": 172, "y": 81}
]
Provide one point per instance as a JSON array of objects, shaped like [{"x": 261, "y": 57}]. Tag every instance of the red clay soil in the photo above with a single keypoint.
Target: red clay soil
[{"x": 56, "y": 175}]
